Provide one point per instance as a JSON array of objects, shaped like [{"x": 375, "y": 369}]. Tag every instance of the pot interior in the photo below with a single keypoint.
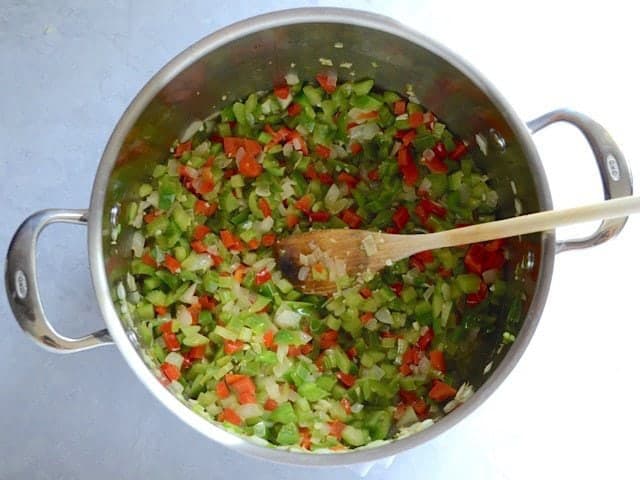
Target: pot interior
[{"x": 235, "y": 62}]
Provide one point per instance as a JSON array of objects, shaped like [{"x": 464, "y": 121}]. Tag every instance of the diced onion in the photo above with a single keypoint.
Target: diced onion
[
  {"x": 369, "y": 245},
  {"x": 183, "y": 316},
  {"x": 364, "y": 132},
  {"x": 286, "y": 318},
  {"x": 191, "y": 130},
  {"x": 137, "y": 244},
  {"x": 291, "y": 78},
  {"x": 189, "y": 295},
  {"x": 303, "y": 273},
  {"x": 265, "y": 225},
  {"x": 384, "y": 316}
]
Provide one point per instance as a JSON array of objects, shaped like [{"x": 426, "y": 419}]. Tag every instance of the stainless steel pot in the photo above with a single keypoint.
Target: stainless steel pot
[{"x": 253, "y": 55}]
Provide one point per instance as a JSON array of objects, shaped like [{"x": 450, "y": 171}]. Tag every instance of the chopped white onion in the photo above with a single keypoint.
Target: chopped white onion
[
  {"x": 303, "y": 273},
  {"x": 286, "y": 318},
  {"x": 183, "y": 316},
  {"x": 364, "y": 132},
  {"x": 265, "y": 225},
  {"x": 174, "y": 358},
  {"x": 191, "y": 130},
  {"x": 384, "y": 316},
  {"x": 189, "y": 295},
  {"x": 369, "y": 245},
  {"x": 482, "y": 143},
  {"x": 291, "y": 78},
  {"x": 250, "y": 410},
  {"x": 137, "y": 243}
]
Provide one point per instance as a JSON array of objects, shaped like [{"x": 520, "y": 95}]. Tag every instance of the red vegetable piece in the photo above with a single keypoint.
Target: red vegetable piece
[{"x": 170, "y": 371}]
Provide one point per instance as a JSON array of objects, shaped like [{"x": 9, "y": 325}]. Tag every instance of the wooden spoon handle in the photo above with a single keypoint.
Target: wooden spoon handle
[{"x": 534, "y": 222}]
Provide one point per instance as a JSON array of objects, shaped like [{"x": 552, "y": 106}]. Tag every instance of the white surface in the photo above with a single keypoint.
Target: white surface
[{"x": 569, "y": 409}]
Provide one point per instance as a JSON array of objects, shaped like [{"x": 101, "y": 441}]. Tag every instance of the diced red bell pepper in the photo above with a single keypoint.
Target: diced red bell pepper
[
  {"x": 440, "y": 150},
  {"x": 459, "y": 150},
  {"x": 200, "y": 231},
  {"x": 440, "y": 391},
  {"x": 323, "y": 152},
  {"x": 350, "y": 180},
  {"x": 207, "y": 302},
  {"x": 147, "y": 259},
  {"x": 229, "y": 415},
  {"x": 294, "y": 109},
  {"x": 292, "y": 220},
  {"x": 436, "y": 358},
  {"x": 328, "y": 339},
  {"x": 416, "y": 119},
  {"x": 355, "y": 148},
  {"x": 160, "y": 310},
  {"x": 249, "y": 167},
  {"x": 397, "y": 288},
  {"x": 400, "y": 217},
  {"x": 335, "y": 428},
  {"x": 399, "y": 107},
  {"x": 366, "y": 317},
  {"x": 197, "y": 353},
  {"x": 171, "y": 341},
  {"x": 268, "y": 239},
  {"x": 425, "y": 340},
  {"x": 327, "y": 83},
  {"x": 170, "y": 371},
  {"x": 171, "y": 263},
  {"x": 267, "y": 338},
  {"x": 182, "y": 148},
  {"x": 263, "y": 276},
  {"x": 233, "y": 346},
  {"x": 270, "y": 405},
  {"x": 304, "y": 203},
  {"x": 373, "y": 175},
  {"x": 281, "y": 92},
  {"x": 205, "y": 208},
  {"x": 436, "y": 165},
  {"x": 366, "y": 292},
  {"x": 474, "y": 259},
  {"x": 321, "y": 217},
  {"x": 222, "y": 390},
  {"x": 351, "y": 218},
  {"x": 346, "y": 379},
  {"x": 264, "y": 207},
  {"x": 479, "y": 296}
]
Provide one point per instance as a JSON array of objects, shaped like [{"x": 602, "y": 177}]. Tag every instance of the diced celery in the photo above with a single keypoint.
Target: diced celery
[
  {"x": 312, "y": 392},
  {"x": 355, "y": 436},
  {"x": 283, "y": 414},
  {"x": 288, "y": 434}
]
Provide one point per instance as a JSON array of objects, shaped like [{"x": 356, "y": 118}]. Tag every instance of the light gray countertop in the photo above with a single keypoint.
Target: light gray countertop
[{"x": 68, "y": 70}]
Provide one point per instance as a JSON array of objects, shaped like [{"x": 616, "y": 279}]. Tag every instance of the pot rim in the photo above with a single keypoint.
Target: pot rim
[{"x": 126, "y": 344}]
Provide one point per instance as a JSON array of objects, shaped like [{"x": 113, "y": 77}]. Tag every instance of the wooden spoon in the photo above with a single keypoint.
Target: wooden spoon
[{"x": 344, "y": 245}]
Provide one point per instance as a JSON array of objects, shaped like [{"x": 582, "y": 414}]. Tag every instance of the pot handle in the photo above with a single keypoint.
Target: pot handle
[
  {"x": 22, "y": 286},
  {"x": 614, "y": 171}
]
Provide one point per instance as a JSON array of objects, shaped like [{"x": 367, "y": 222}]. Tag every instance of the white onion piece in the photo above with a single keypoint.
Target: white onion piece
[
  {"x": 287, "y": 188},
  {"x": 189, "y": 295},
  {"x": 153, "y": 199},
  {"x": 384, "y": 316},
  {"x": 291, "y": 78},
  {"x": 203, "y": 148},
  {"x": 303, "y": 273},
  {"x": 137, "y": 244},
  {"x": 286, "y": 318},
  {"x": 191, "y": 130},
  {"x": 172, "y": 167},
  {"x": 250, "y": 410},
  {"x": 265, "y": 225},
  {"x": 263, "y": 190},
  {"x": 183, "y": 316},
  {"x": 364, "y": 132},
  {"x": 281, "y": 353}
]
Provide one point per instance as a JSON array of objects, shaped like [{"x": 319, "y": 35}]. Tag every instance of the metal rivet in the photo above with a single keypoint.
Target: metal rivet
[
  {"x": 497, "y": 139},
  {"x": 22, "y": 287},
  {"x": 613, "y": 168}
]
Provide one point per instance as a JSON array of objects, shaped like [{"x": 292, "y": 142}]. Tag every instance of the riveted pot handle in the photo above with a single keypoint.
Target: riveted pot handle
[
  {"x": 22, "y": 287},
  {"x": 614, "y": 171}
]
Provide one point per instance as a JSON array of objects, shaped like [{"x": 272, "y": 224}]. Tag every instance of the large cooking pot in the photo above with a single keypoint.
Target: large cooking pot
[{"x": 253, "y": 55}]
